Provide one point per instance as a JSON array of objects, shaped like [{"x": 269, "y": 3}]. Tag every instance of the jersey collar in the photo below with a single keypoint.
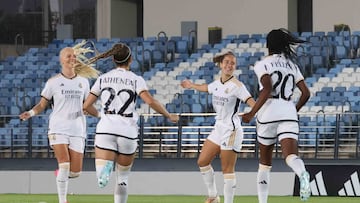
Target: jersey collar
[
  {"x": 223, "y": 82},
  {"x": 69, "y": 78}
]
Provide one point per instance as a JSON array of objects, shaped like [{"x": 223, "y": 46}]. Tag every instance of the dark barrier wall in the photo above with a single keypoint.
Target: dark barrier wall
[{"x": 328, "y": 180}]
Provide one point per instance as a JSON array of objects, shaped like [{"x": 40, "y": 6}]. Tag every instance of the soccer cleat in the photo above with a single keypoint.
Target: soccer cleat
[
  {"x": 213, "y": 200},
  {"x": 305, "y": 186},
  {"x": 105, "y": 174}
]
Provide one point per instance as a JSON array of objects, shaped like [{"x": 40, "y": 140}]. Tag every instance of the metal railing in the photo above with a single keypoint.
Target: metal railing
[{"x": 334, "y": 136}]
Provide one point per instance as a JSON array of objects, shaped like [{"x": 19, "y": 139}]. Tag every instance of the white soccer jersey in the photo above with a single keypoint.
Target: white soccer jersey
[
  {"x": 226, "y": 101},
  {"x": 284, "y": 75},
  {"x": 68, "y": 95},
  {"x": 118, "y": 90}
]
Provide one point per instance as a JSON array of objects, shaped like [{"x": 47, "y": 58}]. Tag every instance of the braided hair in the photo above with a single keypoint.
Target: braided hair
[
  {"x": 121, "y": 54},
  {"x": 281, "y": 41}
]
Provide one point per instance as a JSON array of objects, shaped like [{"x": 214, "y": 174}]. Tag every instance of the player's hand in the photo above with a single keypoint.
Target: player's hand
[
  {"x": 174, "y": 118},
  {"x": 25, "y": 115},
  {"x": 247, "y": 117},
  {"x": 186, "y": 84}
]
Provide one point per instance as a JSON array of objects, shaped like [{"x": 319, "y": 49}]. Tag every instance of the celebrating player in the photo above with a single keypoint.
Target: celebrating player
[
  {"x": 277, "y": 118},
  {"x": 117, "y": 130},
  {"x": 67, "y": 125},
  {"x": 226, "y": 138}
]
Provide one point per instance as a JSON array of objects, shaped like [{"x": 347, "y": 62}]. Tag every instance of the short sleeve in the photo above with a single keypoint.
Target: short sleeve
[
  {"x": 211, "y": 87},
  {"x": 87, "y": 88},
  {"x": 140, "y": 85},
  {"x": 243, "y": 93},
  {"x": 298, "y": 75},
  {"x": 260, "y": 70},
  {"x": 95, "y": 89},
  {"x": 47, "y": 92}
]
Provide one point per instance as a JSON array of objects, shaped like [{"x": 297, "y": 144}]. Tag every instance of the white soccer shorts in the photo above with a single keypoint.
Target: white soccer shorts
[
  {"x": 269, "y": 133},
  {"x": 75, "y": 143}
]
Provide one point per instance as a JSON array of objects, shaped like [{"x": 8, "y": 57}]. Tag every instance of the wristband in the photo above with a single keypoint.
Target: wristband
[{"x": 32, "y": 113}]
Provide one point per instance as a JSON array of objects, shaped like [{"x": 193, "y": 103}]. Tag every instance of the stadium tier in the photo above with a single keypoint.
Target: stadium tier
[{"x": 330, "y": 63}]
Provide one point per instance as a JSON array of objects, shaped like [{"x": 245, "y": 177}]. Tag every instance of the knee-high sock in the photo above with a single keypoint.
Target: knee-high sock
[
  {"x": 62, "y": 181},
  {"x": 296, "y": 164},
  {"x": 229, "y": 187},
  {"x": 208, "y": 175},
  {"x": 263, "y": 182},
  {"x": 121, "y": 187}
]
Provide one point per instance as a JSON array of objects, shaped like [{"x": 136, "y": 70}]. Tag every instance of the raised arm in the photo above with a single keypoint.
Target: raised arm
[
  {"x": 157, "y": 106},
  {"x": 263, "y": 96},
  {"x": 189, "y": 85},
  {"x": 88, "y": 105}
]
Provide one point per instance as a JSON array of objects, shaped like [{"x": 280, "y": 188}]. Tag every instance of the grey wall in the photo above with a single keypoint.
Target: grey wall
[
  {"x": 327, "y": 13},
  {"x": 116, "y": 18},
  {"x": 145, "y": 182},
  {"x": 234, "y": 16},
  {"x": 123, "y": 19},
  {"x": 244, "y": 16}
]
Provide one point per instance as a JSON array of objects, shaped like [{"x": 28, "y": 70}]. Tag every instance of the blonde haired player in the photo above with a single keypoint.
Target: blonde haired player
[
  {"x": 117, "y": 131},
  {"x": 66, "y": 93},
  {"x": 226, "y": 138}
]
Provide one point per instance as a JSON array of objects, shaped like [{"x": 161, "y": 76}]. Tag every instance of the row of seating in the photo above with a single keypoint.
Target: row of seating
[{"x": 197, "y": 67}]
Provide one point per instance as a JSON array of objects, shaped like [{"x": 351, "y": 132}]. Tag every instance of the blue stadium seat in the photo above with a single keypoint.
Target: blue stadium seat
[
  {"x": 317, "y": 61},
  {"x": 182, "y": 46},
  {"x": 197, "y": 108},
  {"x": 341, "y": 52}
]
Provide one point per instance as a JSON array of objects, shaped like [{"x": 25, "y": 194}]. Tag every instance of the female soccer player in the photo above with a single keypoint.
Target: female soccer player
[
  {"x": 66, "y": 92},
  {"x": 226, "y": 138},
  {"x": 117, "y": 130},
  {"x": 277, "y": 118}
]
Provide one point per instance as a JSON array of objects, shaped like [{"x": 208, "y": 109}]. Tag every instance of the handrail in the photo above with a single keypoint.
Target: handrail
[
  {"x": 169, "y": 140},
  {"x": 317, "y": 137},
  {"x": 143, "y": 59},
  {"x": 327, "y": 50},
  {"x": 166, "y": 44},
  {"x": 161, "y": 33},
  {"x": 192, "y": 45},
  {"x": 19, "y": 36}
]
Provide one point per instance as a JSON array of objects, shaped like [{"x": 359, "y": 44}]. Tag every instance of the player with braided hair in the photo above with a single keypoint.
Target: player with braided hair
[
  {"x": 117, "y": 130},
  {"x": 278, "y": 74},
  {"x": 66, "y": 92}
]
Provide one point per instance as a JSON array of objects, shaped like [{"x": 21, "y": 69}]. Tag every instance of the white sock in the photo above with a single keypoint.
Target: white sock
[
  {"x": 263, "y": 182},
  {"x": 229, "y": 187},
  {"x": 121, "y": 186},
  {"x": 208, "y": 175},
  {"x": 296, "y": 164},
  {"x": 62, "y": 181}
]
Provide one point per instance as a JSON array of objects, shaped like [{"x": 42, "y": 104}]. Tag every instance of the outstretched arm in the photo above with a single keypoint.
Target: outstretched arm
[
  {"x": 263, "y": 96},
  {"x": 38, "y": 108},
  {"x": 157, "y": 106},
  {"x": 88, "y": 106},
  {"x": 189, "y": 85}
]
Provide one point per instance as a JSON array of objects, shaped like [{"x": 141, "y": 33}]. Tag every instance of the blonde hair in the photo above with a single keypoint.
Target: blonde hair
[{"x": 84, "y": 66}]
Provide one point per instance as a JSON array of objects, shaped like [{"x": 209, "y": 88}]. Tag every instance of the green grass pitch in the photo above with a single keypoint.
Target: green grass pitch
[{"x": 52, "y": 198}]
